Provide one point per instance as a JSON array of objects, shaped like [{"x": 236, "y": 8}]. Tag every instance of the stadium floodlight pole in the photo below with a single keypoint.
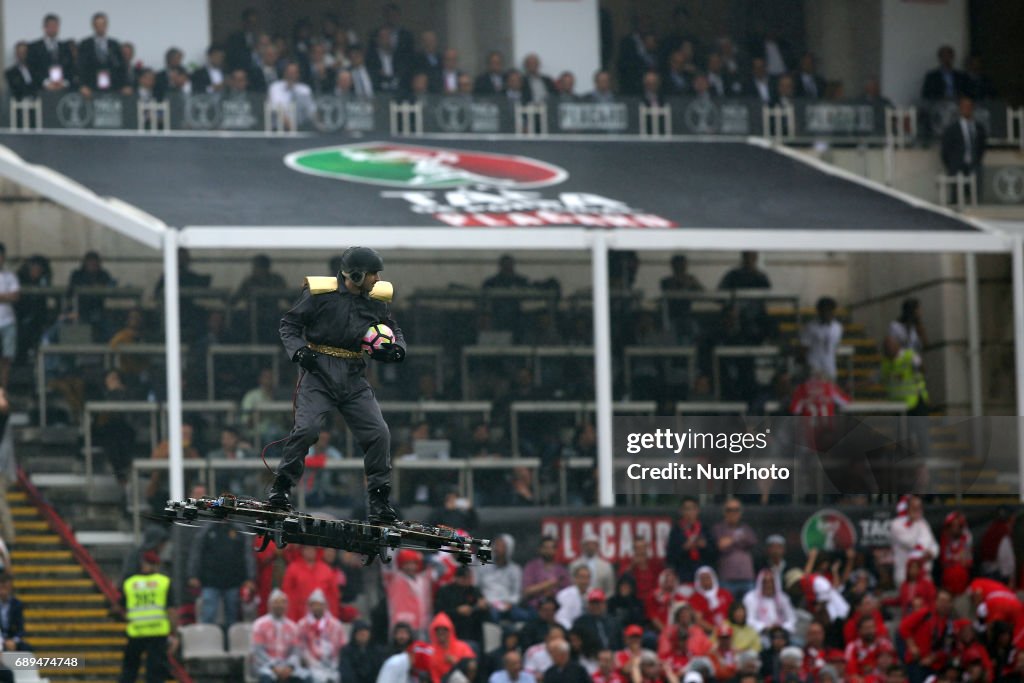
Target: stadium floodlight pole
[
  {"x": 602, "y": 369},
  {"x": 1018, "y": 347},
  {"x": 172, "y": 344}
]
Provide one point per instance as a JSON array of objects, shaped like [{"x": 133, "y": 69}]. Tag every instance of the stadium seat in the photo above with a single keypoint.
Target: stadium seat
[
  {"x": 202, "y": 641},
  {"x": 239, "y": 639}
]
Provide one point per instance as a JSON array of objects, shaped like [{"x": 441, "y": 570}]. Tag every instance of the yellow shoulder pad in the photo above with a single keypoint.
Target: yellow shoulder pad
[{"x": 321, "y": 284}]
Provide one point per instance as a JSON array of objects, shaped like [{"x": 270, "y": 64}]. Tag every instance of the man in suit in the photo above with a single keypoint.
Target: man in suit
[
  {"x": 492, "y": 81},
  {"x": 604, "y": 629},
  {"x": 759, "y": 84},
  {"x": 637, "y": 55},
  {"x": 945, "y": 82},
  {"x": 651, "y": 94},
  {"x": 429, "y": 61},
  {"x": 720, "y": 83},
  {"x": 536, "y": 86},
  {"x": 362, "y": 79},
  {"x": 50, "y": 61},
  {"x": 399, "y": 39},
  {"x": 979, "y": 86},
  {"x": 172, "y": 60},
  {"x": 565, "y": 86},
  {"x": 602, "y": 91},
  {"x": 809, "y": 84},
  {"x": 386, "y": 66},
  {"x": 676, "y": 81},
  {"x": 100, "y": 62},
  {"x": 19, "y": 77},
  {"x": 514, "y": 88},
  {"x": 450, "y": 72},
  {"x": 963, "y": 142},
  {"x": 242, "y": 47},
  {"x": 209, "y": 78},
  {"x": 12, "y": 617}
]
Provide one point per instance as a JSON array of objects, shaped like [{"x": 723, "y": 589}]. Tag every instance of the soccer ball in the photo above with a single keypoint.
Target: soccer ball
[{"x": 375, "y": 336}]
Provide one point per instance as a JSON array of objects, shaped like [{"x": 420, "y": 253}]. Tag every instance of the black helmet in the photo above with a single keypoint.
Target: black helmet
[{"x": 356, "y": 262}]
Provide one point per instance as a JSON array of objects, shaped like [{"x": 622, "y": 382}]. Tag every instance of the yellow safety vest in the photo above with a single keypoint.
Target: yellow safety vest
[
  {"x": 905, "y": 382},
  {"x": 146, "y": 599}
]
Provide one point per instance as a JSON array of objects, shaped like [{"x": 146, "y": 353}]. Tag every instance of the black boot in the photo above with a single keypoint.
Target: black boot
[
  {"x": 279, "y": 491},
  {"x": 379, "y": 510}
]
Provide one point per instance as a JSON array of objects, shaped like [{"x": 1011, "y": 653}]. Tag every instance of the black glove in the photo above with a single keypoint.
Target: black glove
[
  {"x": 389, "y": 353},
  {"x": 306, "y": 357}
]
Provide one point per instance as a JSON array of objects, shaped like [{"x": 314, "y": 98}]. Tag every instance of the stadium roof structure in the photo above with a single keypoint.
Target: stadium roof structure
[
  {"x": 244, "y": 191},
  {"x": 597, "y": 193}
]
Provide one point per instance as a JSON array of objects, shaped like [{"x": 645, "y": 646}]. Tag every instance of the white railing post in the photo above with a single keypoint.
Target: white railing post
[
  {"x": 406, "y": 118},
  {"x": 531, "y": 119},
  {"x": 26, "y": 114},
  {"x": 279, "y": 119},
  {"x": 154, "y": 116},
  {"x": 654, "y": 120}
]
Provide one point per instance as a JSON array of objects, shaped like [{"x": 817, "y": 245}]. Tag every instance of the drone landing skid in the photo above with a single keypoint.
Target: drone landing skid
[{"x": 284, "y": 526}]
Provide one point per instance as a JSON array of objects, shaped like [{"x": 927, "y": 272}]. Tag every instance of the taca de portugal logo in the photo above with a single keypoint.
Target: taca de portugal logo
[
  {"x": 828, "y": 530},
  {"x": 418, "y": 167}
]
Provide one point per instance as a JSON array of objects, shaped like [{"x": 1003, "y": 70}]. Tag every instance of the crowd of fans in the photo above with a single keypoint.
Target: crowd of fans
[
  {"x": 328, "y": 57},
  {"x": 715, "y": 603}
]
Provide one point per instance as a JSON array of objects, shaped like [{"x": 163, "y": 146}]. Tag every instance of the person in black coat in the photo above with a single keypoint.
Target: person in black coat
[
  {"x": 19, "y": 77},
  {"x": 361, "y": 658},
  {"x": 495, "y": 659},
  {"x": 536, "y": 630},
  {"x": 963, "y": 142},
  {"x": 690, "y": 544},
  {"x": 210, "y": 77},
  {"x": 492, "y": 81},
  {"x": 429, "y": 61},
  {"x": 100, "y": 61},
  {"x": 49, "y": 52},
  {"x": 465, "y": 605},
  {"x": 624, "y": 605},
  {"x": 563, "y": 669},
  {"x": 241, "y": 46},
  {"x": 12, "y": 617},
  {"x": 637, "y": 55},
  {"x": 536, "y": 85},
  {"x": 945, "y": 82},
  {"x": 597, "y": 626}
]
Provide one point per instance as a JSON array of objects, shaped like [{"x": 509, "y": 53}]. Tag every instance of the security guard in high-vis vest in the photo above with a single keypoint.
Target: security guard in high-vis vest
[
  {"x": 151, "y": 619},
  {"x": 902, "y": 365},
  {"x": 322, "y": 333}
]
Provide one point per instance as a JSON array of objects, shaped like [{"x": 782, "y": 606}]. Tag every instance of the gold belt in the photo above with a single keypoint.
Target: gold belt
[{"x": 334, "y": 351}]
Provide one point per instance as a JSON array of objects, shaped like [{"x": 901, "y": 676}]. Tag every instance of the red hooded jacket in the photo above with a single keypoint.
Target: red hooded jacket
[{"x": 446, "y": 657}]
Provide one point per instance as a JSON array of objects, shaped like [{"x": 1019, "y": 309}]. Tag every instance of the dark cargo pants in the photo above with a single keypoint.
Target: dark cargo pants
[{"x": 353, "y": 397}]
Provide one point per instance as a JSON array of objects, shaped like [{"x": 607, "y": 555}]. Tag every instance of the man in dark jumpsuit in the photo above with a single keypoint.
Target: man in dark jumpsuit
[{"x": 322, "y": 333}]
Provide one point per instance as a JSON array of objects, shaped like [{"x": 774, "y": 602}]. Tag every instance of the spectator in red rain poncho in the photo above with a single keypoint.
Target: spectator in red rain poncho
[
  {"x": 928, "y": 633},
  {"x": 448, "y": 650},
  {"x": 633, "y": 637},
  {"x": 957, "y": 553},
  {"x": 710, "y": 601},
  {"x": 304, "y": 575},
  {"x": 409, "y": 590},
  {"x": 659, "y": 606},
  {"x": 918, "y": 590},
  {"x": 723, "y": 657},
  {"x": 684, "y": 617}
]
